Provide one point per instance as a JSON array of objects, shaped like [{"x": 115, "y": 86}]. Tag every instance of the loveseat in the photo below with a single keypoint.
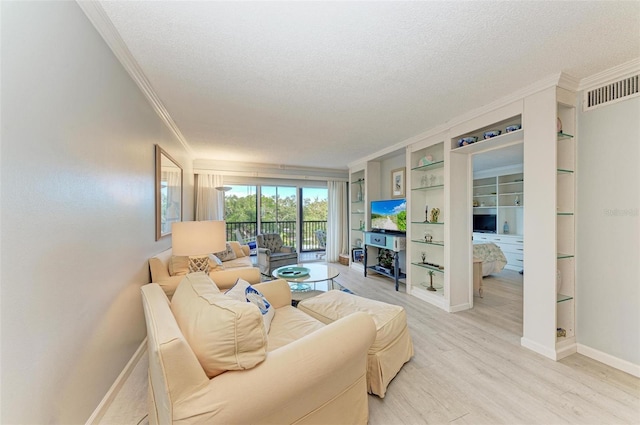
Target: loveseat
[
  {"x": 168, "y": 270},
  {"x": 309, "y": 373}
]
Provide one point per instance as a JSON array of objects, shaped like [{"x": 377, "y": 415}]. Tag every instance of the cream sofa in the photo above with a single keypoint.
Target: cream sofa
[
  {"x": 311, "y": 373},
  {"x": 224, "y": 277}
]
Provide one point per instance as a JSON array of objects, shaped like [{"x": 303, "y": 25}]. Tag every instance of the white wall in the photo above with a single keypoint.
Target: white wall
[
  {"x": 77, "y": 217},
  {"x": 608, "y": 233}
]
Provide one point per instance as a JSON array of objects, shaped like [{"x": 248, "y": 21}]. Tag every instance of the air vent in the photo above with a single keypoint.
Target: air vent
[{"x": 611, "y": 93}]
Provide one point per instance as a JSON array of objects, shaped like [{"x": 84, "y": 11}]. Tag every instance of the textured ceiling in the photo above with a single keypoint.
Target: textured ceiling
[{"x": 322, "y": 84}]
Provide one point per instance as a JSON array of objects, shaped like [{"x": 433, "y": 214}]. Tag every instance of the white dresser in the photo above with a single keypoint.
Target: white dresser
[{"x": 511, "y": 245}]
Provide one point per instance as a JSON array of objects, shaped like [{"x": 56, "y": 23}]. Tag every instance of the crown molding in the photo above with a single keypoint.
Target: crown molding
[
  {"x": 612, "y": 74},
  {"x": 109, "y": 33},
  {"x": 281, "y": 171}
]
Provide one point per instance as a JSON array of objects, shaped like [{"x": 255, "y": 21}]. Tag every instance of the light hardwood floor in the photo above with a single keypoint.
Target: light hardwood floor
[{"x": 468, "y": 368}]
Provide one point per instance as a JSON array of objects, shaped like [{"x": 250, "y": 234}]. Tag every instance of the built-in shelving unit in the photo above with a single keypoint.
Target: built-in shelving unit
[
  {"x": 358, "y": 213},
  {"x": 565, "y": 224},
  {"x": 503, "y": 196},
  {"x": 426, "y": 251}
]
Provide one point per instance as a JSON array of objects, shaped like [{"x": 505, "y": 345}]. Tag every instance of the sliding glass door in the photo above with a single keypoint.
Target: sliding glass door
[
  {"x": 278, "y": 211},
  {"x": 253, "y": 209}
]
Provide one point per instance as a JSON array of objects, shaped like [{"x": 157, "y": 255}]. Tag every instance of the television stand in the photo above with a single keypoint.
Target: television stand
[{"x": 392, "y": 242}]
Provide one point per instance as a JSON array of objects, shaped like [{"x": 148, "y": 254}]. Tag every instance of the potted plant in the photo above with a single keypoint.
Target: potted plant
[
  {"x": 431, "y": 288},
  {"x": 385, "y": 259}
]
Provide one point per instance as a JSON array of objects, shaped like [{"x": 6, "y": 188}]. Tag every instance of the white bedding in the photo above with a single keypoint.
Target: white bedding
[{"x": 493, "y": 259}]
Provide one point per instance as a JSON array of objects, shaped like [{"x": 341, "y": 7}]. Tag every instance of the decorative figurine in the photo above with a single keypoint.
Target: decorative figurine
[
  {"x": 435, "y": 212},
  {"x": 423, "y": 256},
  {"x": 426, "y": 213}
]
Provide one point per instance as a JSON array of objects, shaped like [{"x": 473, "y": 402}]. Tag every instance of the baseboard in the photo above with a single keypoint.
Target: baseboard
[
  {"x": 102, "y": 408},
  {"x": 459, "y": 307},
  {"x": 609, "y": 360},
  {"x": 538, "y": 348}
]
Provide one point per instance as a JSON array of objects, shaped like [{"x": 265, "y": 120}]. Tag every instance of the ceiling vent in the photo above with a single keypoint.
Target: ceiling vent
[{"x": 612, "y": 92}]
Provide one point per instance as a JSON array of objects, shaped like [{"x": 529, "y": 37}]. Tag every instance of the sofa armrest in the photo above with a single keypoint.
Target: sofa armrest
[
  {"x": 322, "y": 374},
  {"x": 265, "y": 251},
  {"x": 277, "y": 292},
  {"x": 225, "y": 279}
]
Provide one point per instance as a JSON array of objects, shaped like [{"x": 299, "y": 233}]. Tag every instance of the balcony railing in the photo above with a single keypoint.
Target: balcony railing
[{"x": 286, "y": 229}]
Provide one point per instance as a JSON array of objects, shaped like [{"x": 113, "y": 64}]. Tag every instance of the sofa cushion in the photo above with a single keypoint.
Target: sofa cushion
[
  {"x": 225, "y": 334},
  {"x": 238, "y": 249},
  {"x": 290, "y": 324},
  {"x": 243, "y": 291},
  {"x": 227, "y": 254}
]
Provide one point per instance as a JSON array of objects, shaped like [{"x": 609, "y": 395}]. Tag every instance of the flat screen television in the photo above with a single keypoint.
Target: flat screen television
[
  {"x": 389, "y": 215},
  {"x": 485, "y": 223}
]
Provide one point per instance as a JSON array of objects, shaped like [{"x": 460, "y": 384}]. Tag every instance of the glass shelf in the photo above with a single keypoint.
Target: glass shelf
[
  {"x": 357, "y": 212},
  {"x": 438, "y": 243},
  {"x": 439, "y": 289},
  {"x": 505, "y": 183},
  {"x": 485, "y": 207},
  {"x": 484, "y": 185},
  {"x": 493, "y": 195},
  {"x": 564, "y": 136},
  {"x": 561, "y": 297},
  {"x": 561, "y": 256},
  {"x": 433, "y": 165},
  {"x": 428, "y": 267},
  {"x": 511, "y": 193},
  {"x": 564, "y": 171},
  {"x": 358, "y": 230},
  {"x": 511, "y": 206},
  {"x": 439, "y": 186},
  {"x": 565, "y": 213},
  {"x": 426, "y": 222}
]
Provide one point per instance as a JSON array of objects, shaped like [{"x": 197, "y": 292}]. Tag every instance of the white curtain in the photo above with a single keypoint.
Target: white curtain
[
  {"x": 209, "y": 200},
  {"x": 337, "y": 235}
]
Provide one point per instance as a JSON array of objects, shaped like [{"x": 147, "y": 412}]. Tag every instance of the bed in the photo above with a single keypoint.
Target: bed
[{"x": 493, "y": 259}]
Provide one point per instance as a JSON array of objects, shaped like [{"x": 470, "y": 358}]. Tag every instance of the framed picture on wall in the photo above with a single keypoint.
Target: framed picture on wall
[{"x": 398, "y": 183}]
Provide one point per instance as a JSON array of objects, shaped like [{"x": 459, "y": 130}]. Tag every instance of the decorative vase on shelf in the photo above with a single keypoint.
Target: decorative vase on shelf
[
  {"x": 359, "y": 194},
  {"x": 505, "y": 228}
]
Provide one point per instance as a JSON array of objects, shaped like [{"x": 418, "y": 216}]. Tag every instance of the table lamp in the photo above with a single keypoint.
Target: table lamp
[{"x": 198, "y": 239}]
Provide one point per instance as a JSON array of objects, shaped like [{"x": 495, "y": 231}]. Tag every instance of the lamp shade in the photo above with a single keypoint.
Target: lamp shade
[{"x": 193, "y": 238}]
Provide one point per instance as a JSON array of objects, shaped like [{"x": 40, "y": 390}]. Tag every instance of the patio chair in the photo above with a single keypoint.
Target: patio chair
[
  {"x": 273, "y": 254},
  {"x": 247, "y": 241},
  {"x": 321, "y": 237}
]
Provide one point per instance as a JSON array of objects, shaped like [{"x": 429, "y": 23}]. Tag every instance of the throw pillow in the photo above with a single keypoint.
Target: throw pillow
[
  {"x": 224, "y": 334},
  {"x": 179, "y": 265},
  {"x": 227, "y": 254},
  {"x": 243, "y": 291}
]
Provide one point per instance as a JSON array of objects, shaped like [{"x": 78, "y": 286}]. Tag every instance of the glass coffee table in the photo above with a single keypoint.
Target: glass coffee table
[{"x": 307, "y": 280}]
